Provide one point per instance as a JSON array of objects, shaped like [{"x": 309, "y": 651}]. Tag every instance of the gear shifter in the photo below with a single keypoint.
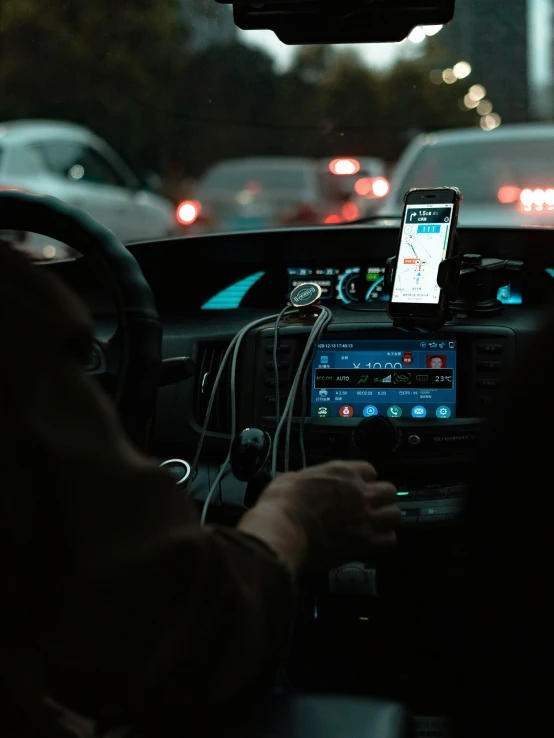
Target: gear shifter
[
  {"x": 376, "y": 438},
  {"x": 250, "y": 457}
]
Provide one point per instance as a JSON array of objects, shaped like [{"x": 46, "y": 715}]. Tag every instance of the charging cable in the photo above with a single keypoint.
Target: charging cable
[
  {"x": 289, "y": 407},
  {"x": 234, "y": 349}
]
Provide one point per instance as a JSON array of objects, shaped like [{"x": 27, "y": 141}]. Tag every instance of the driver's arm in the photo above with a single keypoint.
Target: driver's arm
[{"x": 135, "y": 610}]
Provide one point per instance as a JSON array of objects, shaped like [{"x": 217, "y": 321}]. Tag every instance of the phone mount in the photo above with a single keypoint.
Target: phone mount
[{"x": 471, "y": 284}]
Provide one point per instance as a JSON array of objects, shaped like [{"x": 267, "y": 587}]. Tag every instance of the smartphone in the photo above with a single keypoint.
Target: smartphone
[{"x": 427, "y": 237}]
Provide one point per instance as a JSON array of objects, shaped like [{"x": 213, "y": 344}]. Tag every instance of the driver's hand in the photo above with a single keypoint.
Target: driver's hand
[{"x": 341, "y": 507}]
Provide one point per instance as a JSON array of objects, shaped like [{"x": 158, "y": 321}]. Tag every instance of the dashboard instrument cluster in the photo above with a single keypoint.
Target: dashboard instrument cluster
[{"x": 366, "y": 284}]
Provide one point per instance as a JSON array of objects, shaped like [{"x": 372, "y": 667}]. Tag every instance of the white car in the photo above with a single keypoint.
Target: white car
[
  {"x": 71, "y": 163},
  {"x": 506, "y": 176}
]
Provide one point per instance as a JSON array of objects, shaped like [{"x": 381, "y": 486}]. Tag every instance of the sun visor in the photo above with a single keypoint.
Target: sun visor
[{"x": 340, "y": 21}]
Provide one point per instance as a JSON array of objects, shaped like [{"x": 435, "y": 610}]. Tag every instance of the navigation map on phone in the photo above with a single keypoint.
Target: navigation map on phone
[{"x": 423, "y": 245}]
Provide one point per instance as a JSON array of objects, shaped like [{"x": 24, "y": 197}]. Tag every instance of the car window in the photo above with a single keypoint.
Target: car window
[
  {"x": 481, "y": 169},
  {"x": 272, "y": 179},
  {"x": 79, "y": 163}
]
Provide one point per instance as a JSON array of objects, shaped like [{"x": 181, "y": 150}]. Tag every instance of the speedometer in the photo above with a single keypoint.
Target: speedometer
[{"x": 362, "y": 285}]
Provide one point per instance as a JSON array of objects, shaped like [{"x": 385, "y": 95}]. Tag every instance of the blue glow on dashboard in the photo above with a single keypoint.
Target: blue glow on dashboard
[
  {"x": 550, "y": 272},
  {"x": 231, "y": 297}
]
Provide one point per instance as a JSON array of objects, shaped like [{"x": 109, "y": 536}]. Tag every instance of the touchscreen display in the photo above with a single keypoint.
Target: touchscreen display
[
  {"x": 423, "y": 245},
  {"x": 399, "y": 379}
]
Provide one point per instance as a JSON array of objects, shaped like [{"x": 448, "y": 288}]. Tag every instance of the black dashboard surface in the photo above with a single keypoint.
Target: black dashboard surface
[{"x": 186, "y": 273}]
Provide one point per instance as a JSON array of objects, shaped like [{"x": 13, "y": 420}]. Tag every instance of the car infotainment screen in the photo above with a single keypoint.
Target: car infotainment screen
[{"x": 412, "y": 379}]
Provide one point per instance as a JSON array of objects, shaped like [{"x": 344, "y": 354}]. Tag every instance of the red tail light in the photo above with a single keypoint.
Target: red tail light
[
  {"x": 350, "y": 211},
  {"x": 332, "y": 219},
  {"x": 188, "y": 211},
  {"x": 372, "y": 187},
  {"x": 344, "y": 167},
  {"x": 380, "y": 187},
  {"x": 536, "y": 199},
  {"x": 508, "y": 194}
]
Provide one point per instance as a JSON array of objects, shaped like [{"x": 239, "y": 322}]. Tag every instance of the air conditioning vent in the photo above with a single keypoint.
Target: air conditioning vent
[{"x": 208, "y": 361}]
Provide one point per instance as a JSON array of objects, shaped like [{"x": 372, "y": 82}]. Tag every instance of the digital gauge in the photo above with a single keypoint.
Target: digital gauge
[{"x": 362, "y": 285}]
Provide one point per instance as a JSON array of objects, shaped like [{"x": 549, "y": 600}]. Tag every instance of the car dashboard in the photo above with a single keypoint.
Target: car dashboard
[{"x": 435, "y": 390}]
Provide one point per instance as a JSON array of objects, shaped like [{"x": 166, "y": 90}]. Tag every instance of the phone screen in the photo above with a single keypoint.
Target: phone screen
[{"x": 423, "y": 245}]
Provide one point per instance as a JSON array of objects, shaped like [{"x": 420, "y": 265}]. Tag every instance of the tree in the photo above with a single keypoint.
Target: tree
[{"x": 111, "y": 66}]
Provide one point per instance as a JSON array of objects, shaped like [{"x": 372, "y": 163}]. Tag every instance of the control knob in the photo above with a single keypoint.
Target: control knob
[
  {"x": 376, "y": 438},
  {"x": 179, "y": 469}
]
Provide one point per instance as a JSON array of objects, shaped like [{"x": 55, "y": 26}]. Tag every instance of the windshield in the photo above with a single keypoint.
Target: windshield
[{"x": 163, "y": 119}]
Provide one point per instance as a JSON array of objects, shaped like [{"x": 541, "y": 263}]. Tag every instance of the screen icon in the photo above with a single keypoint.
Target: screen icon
[
  {"x": 370, "y": 411},
  {"x": 346, "y": 411},
  {"x": 423, "y": 345},
  {"x": 323, "y": 411},
  {"x": 452, "y": 344},
  {"x": 394, "y": 411},
  {"x": 419, "y": 411},
  {"x": 324, "y": 360},
  {"x": 402, "y": 379},
  {"x": 323, "y": 393},
  {"x": 444, "y": 412}
]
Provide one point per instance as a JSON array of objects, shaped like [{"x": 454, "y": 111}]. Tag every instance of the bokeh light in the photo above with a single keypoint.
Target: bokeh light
[
  {"x": 462, "y": 69},
  {"x": 469, "y": 102},
  {"x": 431, "y": 30},
  {"x": 508, "y": 194},
  {"x": 526, "y": 198},
  {"x": 448, "y": 76},
  {"x": 477, "y": 92},
  {"x": 417, "y": 35},
  {"x": 380, "y": 187},
  {"x": 351, "y": 211},
  {"x": 363, "y": 186},
  {"x": 549, "y": 198},
  {"x": 484, "y": 107},
  {"x": 188, "y": 211},
  {"x": 436, "y": 76}
]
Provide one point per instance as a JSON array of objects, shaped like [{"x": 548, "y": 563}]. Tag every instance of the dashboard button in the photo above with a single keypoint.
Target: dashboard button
[
  {"x": 430, "y": 494},
  {"x": 283, "y": 382},
  {"x": 410, "y": 515},
  {"x": 488, "y": 383},
  {"x": 281, "y": 366},
  {"x": 281, "y": 349},
  {"x": 485, "y": 401},
  {"x": 489, "y": 366},
  {"x": 490, "y": 348}
]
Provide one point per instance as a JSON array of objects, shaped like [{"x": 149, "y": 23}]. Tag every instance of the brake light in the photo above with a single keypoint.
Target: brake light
[
  {"x": 372, "y": 187},
  {"x": 350, "y": 211},
  {"x": 344, "y": 167},
  {"x": 188, "y": 212},
  {"x": 332, "y": 219},
  {"x": 537, "y": 199},
  {"x": 508, "y": 194},
  {"x": 380, "y": 187}
]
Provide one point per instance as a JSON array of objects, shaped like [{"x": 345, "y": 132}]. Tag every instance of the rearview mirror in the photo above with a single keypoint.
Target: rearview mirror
[{"x": 340, "y": 21}]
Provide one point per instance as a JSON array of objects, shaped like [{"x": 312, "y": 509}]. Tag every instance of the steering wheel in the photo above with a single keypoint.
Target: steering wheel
[{"x": 135, "y": 349}]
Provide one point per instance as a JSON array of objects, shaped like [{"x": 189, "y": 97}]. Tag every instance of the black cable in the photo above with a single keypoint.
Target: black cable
[{"x": 280, "y": 317}]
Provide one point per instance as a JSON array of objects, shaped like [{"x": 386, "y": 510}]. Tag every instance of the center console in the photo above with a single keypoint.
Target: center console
[{"x": 410, "y": 403}]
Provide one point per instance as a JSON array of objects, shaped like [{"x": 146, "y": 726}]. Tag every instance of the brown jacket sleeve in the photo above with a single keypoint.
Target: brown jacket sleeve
[{"x": 126, "y": 606}]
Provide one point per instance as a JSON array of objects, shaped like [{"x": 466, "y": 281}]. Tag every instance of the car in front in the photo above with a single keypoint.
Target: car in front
[
  {"x": 248, "y": 193},
  {"x": 505, "y": 175}
]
